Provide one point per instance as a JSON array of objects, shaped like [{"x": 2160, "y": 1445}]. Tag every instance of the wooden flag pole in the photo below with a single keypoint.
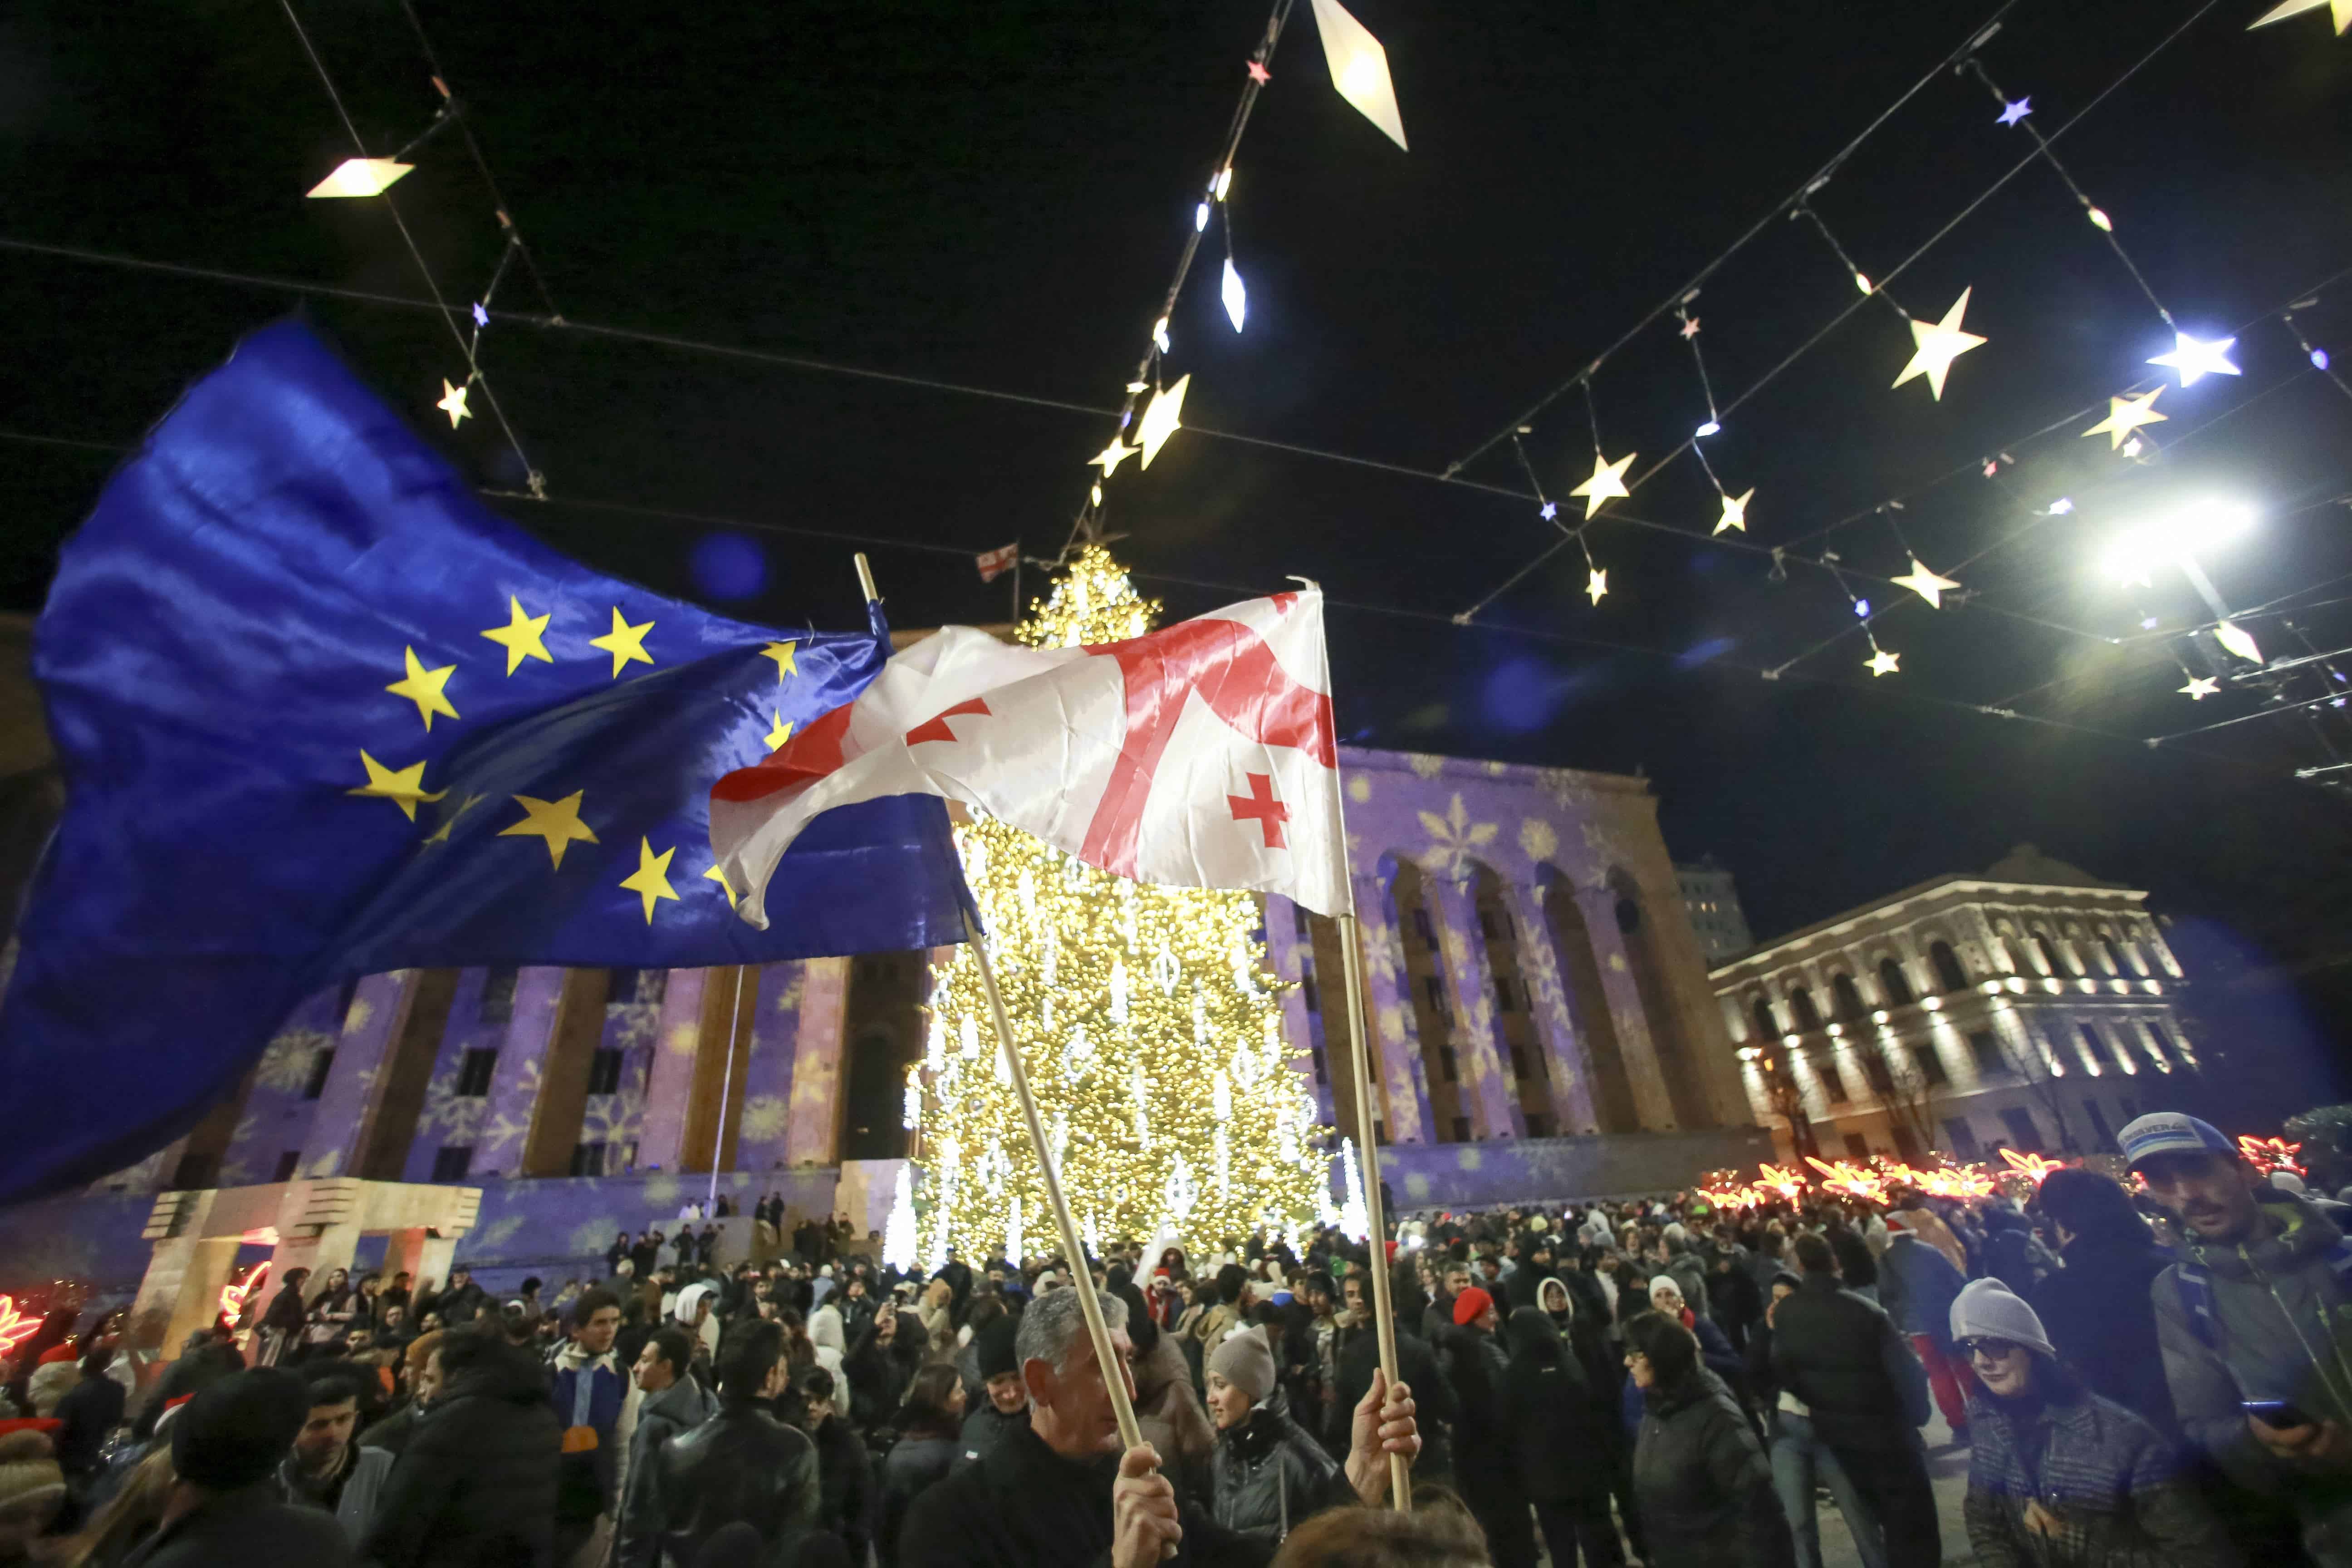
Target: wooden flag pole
[
  {"x": 1400, "y": 1468},
  {"x": 1082, "y": 1279}
]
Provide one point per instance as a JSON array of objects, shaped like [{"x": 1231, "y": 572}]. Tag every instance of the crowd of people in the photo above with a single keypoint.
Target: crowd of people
[{"x": 1653, "y": 1381}]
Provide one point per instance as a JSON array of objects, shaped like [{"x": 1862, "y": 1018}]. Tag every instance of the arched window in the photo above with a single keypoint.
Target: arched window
[
  {"x": 2114, "y": 955},
  {"x": 1686, "y": 1090},
  {"x": 1768, "y": 1027},
  {"x": 2050, "y": 963},
  {"x": 1588, "y": 1005},
  {"x": 1949, "y": 975},
  {"x": 1847, "y": 998},
  {"x": 1894, "y": 983},
  {"x": 1801, "y": 1009}
]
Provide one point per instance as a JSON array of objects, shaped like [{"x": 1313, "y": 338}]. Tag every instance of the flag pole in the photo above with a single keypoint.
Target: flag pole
[
  {"x": 1082, "y": 1278},
  {"x": 726, "y": 1087}
]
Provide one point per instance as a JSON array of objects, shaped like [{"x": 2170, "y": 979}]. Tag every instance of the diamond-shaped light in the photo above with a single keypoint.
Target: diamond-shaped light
[
  {"x": 362, "y": 177},
  {"x": 1236, "y": 297},
  {"x": 1359, "y": 68}
]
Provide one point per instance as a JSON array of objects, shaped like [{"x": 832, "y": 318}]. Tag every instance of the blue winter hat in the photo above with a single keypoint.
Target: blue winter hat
[{"x": 2170, "y": 1132}]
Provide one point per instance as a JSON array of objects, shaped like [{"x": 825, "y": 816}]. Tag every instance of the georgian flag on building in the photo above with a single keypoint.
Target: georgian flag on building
[{"x": 1201, "y": 755}]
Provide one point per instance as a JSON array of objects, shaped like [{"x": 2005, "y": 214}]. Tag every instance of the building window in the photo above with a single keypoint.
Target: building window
[
  {"x": 321, "y": 1065},
  {"x": 1298, "y": 922},
  {"x": 1447, "y": 1064},
  {"x": 2098, "y": 1123},
  {"x": 2092, "y": 1042},
  {"x": 196, "y": 1170},
  {"x": 1380, "y": 1133},
  {"x": 1461, "y": 1130},
  {"x": 1306, "y": 989},
  {"x": 1424, "y": 929},
  {"x": 1930, "y": 1065},
  {"x": 1832, "y": 1082},
  {"x": 1962, "y": 1137},
  {"x": 1801, "y": 1009},
  {"x": 497, "y": 997},
  {"x": 1892, "y": 980},
  {"x": 1950, "y": 973},
  {"x": 1434, "y": 989},
  {"x": 2024, "y": 1136},
  {"x": 452, "y": 1161},
  {"x": 1880, "y": 1076},
  {"x": 605, "y": 1072},
  {"x": 1846, "y": 997},
  {"x": 1768, "y": 1027},
  {"x": 588, "y": 1158},
  {"x": 1857, "y": 1146},
  {"x": 638, "y": 985},
  {"x": 2115, "y": 959},
  {"x": 2130, "y": 1102},
  {"x": 1322, "y": 1073},
  {"x": 2160, "y": 1044},
  {"x": 1518, "y": 1062},
  {"x": 474, "y": 1071},
  {"x": 288, "y": 1161},
  {"x": 1539, "y": 1125},
  {"x": 1504, "y": 1001},
  {"x": 1985, "y": 1050},
  {"x": 1487, "y": 924}
]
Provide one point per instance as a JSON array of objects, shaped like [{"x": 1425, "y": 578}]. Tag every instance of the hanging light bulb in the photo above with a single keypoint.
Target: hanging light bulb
[
  {"x": 1200, "y": 218},
  {"x": 935, "y": 1049},
  {"x": 1013, "y": 1237},
  {"x": 1118, "y": 991},
  {"x": 971, "y": 1043},
  {"x": 1236, "y": 297}
]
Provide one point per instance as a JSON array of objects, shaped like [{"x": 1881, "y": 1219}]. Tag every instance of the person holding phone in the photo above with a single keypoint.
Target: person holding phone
[
  {"x": 2255, "y": 1322},
  {"x": 2058, "y": 1476}
]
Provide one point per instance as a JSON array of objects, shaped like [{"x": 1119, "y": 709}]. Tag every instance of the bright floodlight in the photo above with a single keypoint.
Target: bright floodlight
[
  {"x": 361, "y": 177},
  {"x": 2133, "y": 554}
]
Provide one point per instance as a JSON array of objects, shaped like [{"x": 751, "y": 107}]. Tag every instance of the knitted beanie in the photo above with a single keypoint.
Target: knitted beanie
[
  {"x": 1989, "y": 1310},
  {"x": 1247, "y": 1362},
  {"x": 1469, "y": 1304},
  {"x": 28, "y": 1470},
  {"x": 995, "y": 1353}
]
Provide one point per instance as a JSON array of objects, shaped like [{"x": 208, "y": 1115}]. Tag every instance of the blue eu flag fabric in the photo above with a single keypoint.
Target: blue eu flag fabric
[{"x": 322, "y": 714}]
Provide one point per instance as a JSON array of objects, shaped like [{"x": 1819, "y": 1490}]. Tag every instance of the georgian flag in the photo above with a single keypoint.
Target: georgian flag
[{"x": 1202, "y": 755}]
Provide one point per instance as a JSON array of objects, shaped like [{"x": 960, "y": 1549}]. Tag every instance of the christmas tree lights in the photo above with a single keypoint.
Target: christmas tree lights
[{"x": 1149, "y": 1029}]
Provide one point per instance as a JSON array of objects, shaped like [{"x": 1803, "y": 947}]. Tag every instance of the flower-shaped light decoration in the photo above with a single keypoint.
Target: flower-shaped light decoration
[
  {"x": 2268, "y": 1154},
  {"x": 2033, "y": 1167}
]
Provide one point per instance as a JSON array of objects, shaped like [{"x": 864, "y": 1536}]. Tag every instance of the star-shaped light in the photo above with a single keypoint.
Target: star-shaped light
[
  {"x": 1690, "y": 326},
  {"x": 1934, "y": 348},
  {"x": 1161, "y": 418},
  {"x": 405, "y": 787},
  {"x": 2340, "y": 11},
  {"x": 1882, "y": 662},
  {"x": 1259, "y": 74},
  {"x": 1735, "y": 513},
  {"x": 521, "y": 637},
  {"x": 481, "y": 314},
  {"x": 1596, "y": 585},
  {"x": 787, "y": 657},
  {"x": 2126, "y": 415},
  {"x": 556, "y": 821},
  {"x": 423, "y": 688},
  {"x": 781, "y": 734},
  {"x": 2196, "y": 360},
  {"x": 1111, "y": 456},
  {"x": 623, "y": 642},
  {"x": 650, "y": 881},
  {"x": 716, "y": 874},
  {"x": 1607, "y": 483},
  {"x": 2010, "y": 113},
  {"x": 1550, "y": 510},
  {"x": 453, "y": 403},
  {"x": 2200, "y": 686},
  {"x": 1925, "y": 583}
]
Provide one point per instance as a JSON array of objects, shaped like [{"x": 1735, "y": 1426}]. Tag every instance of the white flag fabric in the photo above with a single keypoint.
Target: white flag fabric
[{"x": 1201, "y": 755}]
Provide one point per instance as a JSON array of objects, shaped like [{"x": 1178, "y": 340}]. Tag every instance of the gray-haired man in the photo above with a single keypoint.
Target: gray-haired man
[{"x": 1061, "y": 1493}]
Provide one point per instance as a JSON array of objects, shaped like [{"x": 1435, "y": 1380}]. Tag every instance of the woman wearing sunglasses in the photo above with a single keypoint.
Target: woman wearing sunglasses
[{"x": 2058, "y": 1476}]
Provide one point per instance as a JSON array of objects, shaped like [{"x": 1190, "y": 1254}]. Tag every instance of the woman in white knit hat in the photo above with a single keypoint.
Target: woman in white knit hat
[{"x": 2058, "y": 1476}]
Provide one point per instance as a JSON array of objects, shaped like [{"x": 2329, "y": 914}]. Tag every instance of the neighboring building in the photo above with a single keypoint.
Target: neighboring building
[
  {"x": 1712, "y": 900},
  {"x": 1537, "y": 1003},
  {"x": 2032, "y": 1006}
]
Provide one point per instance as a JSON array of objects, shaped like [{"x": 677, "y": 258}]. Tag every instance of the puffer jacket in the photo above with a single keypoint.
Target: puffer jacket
[
  {"x": 2270, "y": 1300},
  {"x": 2114, "y": 1487},
  {"x": 1702, "y": 1483},
  {"x": 477, "y": 1483},
  {"x": 1268, "y": 1475}
]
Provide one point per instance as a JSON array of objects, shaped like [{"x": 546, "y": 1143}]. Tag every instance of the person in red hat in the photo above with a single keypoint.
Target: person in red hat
[{"x": 1486, "y": 1468}]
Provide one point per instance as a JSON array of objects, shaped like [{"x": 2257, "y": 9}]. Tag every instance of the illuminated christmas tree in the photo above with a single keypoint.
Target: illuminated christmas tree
[{"x": 1150, "y": 1027}]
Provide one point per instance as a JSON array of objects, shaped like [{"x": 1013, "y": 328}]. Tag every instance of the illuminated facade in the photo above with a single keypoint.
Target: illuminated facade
[{"x": 2032, "y": 1006}]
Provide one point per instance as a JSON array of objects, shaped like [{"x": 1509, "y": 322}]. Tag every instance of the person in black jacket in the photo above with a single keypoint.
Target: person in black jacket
[
  {"x": 1866, "y": 1396},
  {"x": 1006, "y": 1407},
  {"x": 2097, "y": 1307},
  {"x": 1558, "y": 1433},
  {"x": 1700, "y": 1478},
  {"x": 90, "y": 1409},
  {"x": 1486, "y": 1471},
  {"x": 743, "y": 1463},
  {"x": 927, "y": 1447},
  {"x": 844, "y": 1476},
  {"x": 476, "y": 1481},
  {"x": 224, "y": 1506},
  {"x": 1417, "y": 1369}
]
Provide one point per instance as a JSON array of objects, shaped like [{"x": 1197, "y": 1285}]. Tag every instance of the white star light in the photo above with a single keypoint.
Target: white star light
[
  {"x": 1161, "y": 418},
  {"x": 1111, "y": 456},
  {"x": 1882, "y": 662},
  {"x": 1934, "y": 348},
  {"x": 2339, "y": 11},
  {"x": 1735, "y": 513},
  {"x": 1925, "y": 584},
  {"x": 2196, "y": 360},
  {"x": 453, "y": 403},
  {"x": 2200, "y": 687},
  {"x": 1607, "y": 483},
  {"x": 1596, "y": 585}
]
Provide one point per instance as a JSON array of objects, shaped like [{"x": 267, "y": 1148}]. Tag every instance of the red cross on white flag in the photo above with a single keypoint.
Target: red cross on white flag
[{"x": 1199, "y": 755}]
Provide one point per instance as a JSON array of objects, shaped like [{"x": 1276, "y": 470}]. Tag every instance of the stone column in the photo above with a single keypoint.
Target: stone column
[
  {"x": 1572, "y": 1088},
  {"x": 1488, "y": 1092},
  {"x": 186, "y": 1270},
  {"x": 669, "y": 1086},
  {"x": 812, "y": 1125},
  {"x": 1652, "y": 1106},
  {"x": 379, "y": 1009},
  {"x": 332, "y": 1246},
  {"x": 1389, "y": 1016}
]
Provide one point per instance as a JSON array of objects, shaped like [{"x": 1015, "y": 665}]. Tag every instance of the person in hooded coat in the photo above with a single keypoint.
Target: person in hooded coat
[
  {"x": 1557, "y": 1431},
  {"x": 477, "y": 1483},
  {"x": 1166, "y": 1408},
  {"x": 1700, "y": 1478},
  {"x": 2097, "y": 1307},
  {"x": 1267, "y": 1471}
]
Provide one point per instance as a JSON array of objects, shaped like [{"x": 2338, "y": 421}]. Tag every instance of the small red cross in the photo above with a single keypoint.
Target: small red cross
[
  {"x": 1282, "y": 602},
  {"x": 936, "y": 729},
  {"x": 1260, "y": 806}
]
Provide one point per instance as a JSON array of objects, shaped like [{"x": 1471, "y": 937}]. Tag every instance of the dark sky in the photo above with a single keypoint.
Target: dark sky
[{"x": 994, "y": 194}]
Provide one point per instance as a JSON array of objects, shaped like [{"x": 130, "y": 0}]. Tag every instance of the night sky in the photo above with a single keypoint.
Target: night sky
[{"x": 994, "y": 197}]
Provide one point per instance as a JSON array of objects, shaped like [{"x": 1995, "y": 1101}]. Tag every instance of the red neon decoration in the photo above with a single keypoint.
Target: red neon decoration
[
  {"x": 16, "y": 1327},
  {"x": 234, "y": 1296},
  {"x": 2268, "y": 1154},
  {"x": 2031, "y": 1166}
]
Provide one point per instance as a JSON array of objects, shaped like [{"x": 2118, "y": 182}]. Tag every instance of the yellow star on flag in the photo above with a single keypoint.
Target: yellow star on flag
[
  {"x": 424, "y": 687},
  {"x": 623, "y": 642},
  {"x": 558, "y": 822},
  {"x": 1112, "y": 456},
  {"x": 650, "y": 881},
  {"x": 1934, "y": 348},
  {"x": 1596, "y": 585},
  {"x": 1882, "y": 662},
  {"x": 2126, "y": 415},
  {"x": 453, "y": 403},
  {"x": 781, "y": 734},
  {"x": 787, "y": 657},
  {"x": 2338, "y": 11},
  {"x": 1735, "y": 513},
  {"x": 1925, "y": 583},
  {"x": 441, "y": 833},
  {"x": 521, "y": 636},
  {"x": 405, "y": 787},
  {"x": 1607, "y": 481},
  {"x": 719, "y": 876}
]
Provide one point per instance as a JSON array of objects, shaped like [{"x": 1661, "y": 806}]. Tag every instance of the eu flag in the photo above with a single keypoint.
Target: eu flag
[{"x": 322, "y": 714}]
